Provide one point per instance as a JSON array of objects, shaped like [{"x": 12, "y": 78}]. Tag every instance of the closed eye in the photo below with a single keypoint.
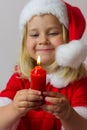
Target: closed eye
[
  {"x": 34, "y": 35},
  {"x": 53, "y": 34}
]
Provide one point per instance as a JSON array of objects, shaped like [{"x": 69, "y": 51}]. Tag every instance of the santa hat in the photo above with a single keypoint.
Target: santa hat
[{"x": 74, "y": 53}]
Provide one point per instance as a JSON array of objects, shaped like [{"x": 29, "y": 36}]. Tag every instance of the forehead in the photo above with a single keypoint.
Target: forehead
[{"x": 43, "y": 19}]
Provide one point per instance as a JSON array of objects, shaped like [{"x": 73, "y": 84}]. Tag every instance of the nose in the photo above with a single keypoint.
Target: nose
[{"x": 43, "y": 39}]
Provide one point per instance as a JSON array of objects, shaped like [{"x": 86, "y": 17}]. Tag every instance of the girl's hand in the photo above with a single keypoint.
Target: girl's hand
[
  {"x": 26, "y": 100},
  {"x": 56, "y": 104}
]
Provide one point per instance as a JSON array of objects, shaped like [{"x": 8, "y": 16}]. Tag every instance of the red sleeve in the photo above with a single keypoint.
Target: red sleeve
[
  {"x": 79, "y": 94},
  {"x": 14, "y": 84}
]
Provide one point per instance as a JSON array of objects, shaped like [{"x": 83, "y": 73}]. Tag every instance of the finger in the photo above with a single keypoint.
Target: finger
[
  {"x": 29, "y": 97},
  {"x": 27, "y": 92},
  {"x": 26, "y": 95},
  {"x": 55, "y": 100},
  {"x": 47, "y": 108},
  {"x": 34, "y": 98},
  {"x": 51, "y": 108},
  {"x": 25, "y": 104},
  {"x": 35, "y": 92},
  {"x": 52, "y": 94}
]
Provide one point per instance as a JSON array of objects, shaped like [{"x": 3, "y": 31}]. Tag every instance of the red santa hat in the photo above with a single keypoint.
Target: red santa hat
[{"x": 74, "y": 53}]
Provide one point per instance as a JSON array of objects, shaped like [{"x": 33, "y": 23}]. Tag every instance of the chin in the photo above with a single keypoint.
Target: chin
[{"x": 47, "y": 63}]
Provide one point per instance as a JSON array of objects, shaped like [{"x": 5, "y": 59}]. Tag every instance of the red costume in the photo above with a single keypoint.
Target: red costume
[
  {"x": 70, "y": 54},
  {"x": 38, "y": 119}
]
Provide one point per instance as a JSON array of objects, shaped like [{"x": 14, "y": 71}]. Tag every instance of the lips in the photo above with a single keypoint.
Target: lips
[{"x": 45, "y": 49}]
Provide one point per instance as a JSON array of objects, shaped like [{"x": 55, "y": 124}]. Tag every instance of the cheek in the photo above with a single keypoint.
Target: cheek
[
  {"x": 57, "y": 41},
  {"x": 29, "y": 44}
]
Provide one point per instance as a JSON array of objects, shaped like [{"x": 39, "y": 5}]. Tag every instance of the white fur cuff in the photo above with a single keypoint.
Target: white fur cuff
[{"x": 82, "y": 111}]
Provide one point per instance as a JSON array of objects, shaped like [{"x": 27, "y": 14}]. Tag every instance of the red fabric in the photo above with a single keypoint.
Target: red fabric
[
  {"x": 76, "y": 93},
  {"x": 77, "y": 23}
]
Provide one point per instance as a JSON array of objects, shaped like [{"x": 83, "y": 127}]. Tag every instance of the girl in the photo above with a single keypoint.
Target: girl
[{"x": 51, "y": 29}]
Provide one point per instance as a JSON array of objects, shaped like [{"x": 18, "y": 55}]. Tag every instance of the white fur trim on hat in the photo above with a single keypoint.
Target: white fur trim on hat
[
  {"x": 37, "y": 7},
  {"x": 71, "y": 54}
]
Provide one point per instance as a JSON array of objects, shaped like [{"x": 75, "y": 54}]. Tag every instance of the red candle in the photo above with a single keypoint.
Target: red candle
[{"x": 38, "y": 77}]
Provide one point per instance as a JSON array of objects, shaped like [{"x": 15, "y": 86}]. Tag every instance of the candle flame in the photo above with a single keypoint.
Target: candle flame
[{"x": 38, "y": 60}]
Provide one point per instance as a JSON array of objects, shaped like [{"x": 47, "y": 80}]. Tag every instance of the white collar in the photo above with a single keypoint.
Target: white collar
[{"x": 55, "y": 80}]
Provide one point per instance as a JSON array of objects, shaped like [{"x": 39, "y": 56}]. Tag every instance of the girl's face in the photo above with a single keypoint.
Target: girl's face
[{"x": 44, "y": 35}]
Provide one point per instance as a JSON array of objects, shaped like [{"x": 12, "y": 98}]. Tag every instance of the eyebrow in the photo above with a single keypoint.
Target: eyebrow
[{"x": 32, "y": 29}]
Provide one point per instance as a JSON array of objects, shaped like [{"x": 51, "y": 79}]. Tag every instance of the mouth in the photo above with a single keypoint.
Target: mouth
[{"x": 45, "y": 49}]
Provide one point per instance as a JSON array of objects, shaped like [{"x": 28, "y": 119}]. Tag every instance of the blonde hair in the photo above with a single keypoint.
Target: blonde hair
[{"x": 26, "y": 63}]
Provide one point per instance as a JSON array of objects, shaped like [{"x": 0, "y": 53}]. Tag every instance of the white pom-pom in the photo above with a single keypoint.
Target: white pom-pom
[{"x": 71, "y": 54}]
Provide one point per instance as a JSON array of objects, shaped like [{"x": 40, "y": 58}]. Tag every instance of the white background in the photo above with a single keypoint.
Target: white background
[{"x": 9, "y": 34}]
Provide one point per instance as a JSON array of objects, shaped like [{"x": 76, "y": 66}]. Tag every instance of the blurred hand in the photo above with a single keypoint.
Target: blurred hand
[
  {"x": 57, "y": 104},
  {"x": 27, "y": 99}
]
